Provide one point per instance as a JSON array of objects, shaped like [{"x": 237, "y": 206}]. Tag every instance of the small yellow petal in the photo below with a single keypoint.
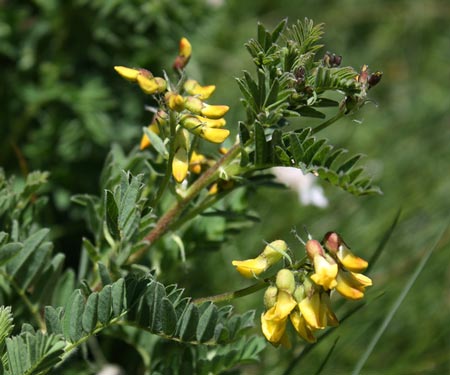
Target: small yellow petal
[
  {"x": 325, "y": 272},
  {"x": 192, "y": 87},
  {"x": 299, "y": 323},
  {"x": 250, "y": 267},
  {"x": 214, "y": 111},
  {"x": 180, "y": 165},
  {"x": 351, "y": 261},
  {"x": 174, "y": 101},
  {"x": 273, "y": 330},
  {"x": 310, "y": 309},
  {"x": 127, "y": 73},
  {"x": 284, "y": 305},
  {"x": 185, "y": 48},
  {"x": 349, "y": 286},
  {"x": 147, "y": 85},
  {"x": 212, "y": 123},
  {"x": 214, "y": 135}
]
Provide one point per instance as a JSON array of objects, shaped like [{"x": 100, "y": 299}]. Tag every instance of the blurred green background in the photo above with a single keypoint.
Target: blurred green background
[{"x": 62, "y": 106}]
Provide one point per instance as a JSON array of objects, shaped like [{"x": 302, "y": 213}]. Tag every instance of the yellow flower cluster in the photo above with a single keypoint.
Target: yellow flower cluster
[
  {"x": 302, "y": 294},
  {"x": 193, "y": 114}
]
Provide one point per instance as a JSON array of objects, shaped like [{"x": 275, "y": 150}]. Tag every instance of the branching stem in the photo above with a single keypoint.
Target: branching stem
[{"x": 163, "y": 224}]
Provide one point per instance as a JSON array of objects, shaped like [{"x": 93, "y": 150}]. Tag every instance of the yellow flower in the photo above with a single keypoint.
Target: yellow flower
[
  {"x": 299, "y": 323},
  {"x": 325, "y": 272},
  {"x": 251, "y": 267},
  {"x": 214, "y": 111},
  {"x": 352, "y": 285},
  {"x": 212, "y": 123},
  {"x": 274, "y": 330},
  {"x": 184, "y": 54},
  {"x": 214, "y": 135},
  {"x": 325, "y": 268},
  {"x": 336, "y": 245},
  {"x": 127, "y": 73},
  {"x": 180, "y": 164},
  {"x": 273, "y": 321},
  {"x": 198, "y": 107},
  {"x": 196, "y": 162},
  {"x": 174, "y": 101},
  {"x": 317, "y": 312},
  {"x": 185, "y": 48},
  {"x": 151, "y": 85},
  {"x": 192, "y": 87},
  {"x": 283, "y": 306},
  {"x": 272, "y": 253}
]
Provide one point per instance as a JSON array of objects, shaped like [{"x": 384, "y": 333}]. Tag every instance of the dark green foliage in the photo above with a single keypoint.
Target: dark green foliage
[{"x": 290, "y": 83}]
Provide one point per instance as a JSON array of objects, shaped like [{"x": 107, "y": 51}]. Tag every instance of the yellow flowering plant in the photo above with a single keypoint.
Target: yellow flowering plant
[
  {"x": 291, "y": 83},
  {"x": 181, "y": 191}
]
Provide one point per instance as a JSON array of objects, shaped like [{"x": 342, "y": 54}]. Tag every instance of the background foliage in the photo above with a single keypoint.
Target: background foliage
[{"x": 62, "y": 106}]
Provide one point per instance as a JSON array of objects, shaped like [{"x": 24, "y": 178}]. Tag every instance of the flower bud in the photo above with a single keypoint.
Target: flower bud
[
  {"x": 185, "y": 48},
  {"x": 299, "y": 293},
  {"x": 195, "y": 164},
  {"x": 363, "y": 75},
  {"x": 270, "y": 296},
  {"x": 127, "y": 73},
  {"x": 374, "y": 78},
  {"x": 274, "y": 251},
  {"x": 314, "y": 248},
  {"x": 184, "y": 54},
  {"x": 174, "y": 101},
  {"x": 285, "y": 280},
  {"x": 162, "y": 84},
  {"x": 332, "y": 241}
]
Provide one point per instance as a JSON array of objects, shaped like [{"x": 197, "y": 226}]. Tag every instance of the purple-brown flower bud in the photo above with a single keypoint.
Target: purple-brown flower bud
[
  {"x": 332, "y": 241},
  {"x": 374, "y": 78}
]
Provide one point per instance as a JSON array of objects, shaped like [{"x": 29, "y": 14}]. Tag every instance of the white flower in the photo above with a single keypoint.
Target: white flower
[{"x": 305, "y": 185}]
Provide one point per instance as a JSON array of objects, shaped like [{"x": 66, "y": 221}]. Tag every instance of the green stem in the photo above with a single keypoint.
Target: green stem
[
  {"x": 34, "y": 309},
  {"x": 327, "y": 123},
  {"x": 235, "y": 294},
  {"x": 165, "y": 221}
]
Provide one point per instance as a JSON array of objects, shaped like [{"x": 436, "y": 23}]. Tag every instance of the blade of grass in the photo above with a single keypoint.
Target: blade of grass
[
  {"x": 383, "y": 242},
  {"x": 328, "y": 356},
  {"x": 360, "y": 364},
  {"x": 294, "y": 363}
]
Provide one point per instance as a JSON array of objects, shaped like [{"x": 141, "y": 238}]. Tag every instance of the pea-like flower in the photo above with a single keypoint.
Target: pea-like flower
[
  {"x": 192, "y": 87},
  {"x": 336, "y": 245},
  {"x": 352, "y": 285},
  {"x": 325, "y": 267},
  {"x": 184, "y": 54},
  {"x": 271, "y": 254}
]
